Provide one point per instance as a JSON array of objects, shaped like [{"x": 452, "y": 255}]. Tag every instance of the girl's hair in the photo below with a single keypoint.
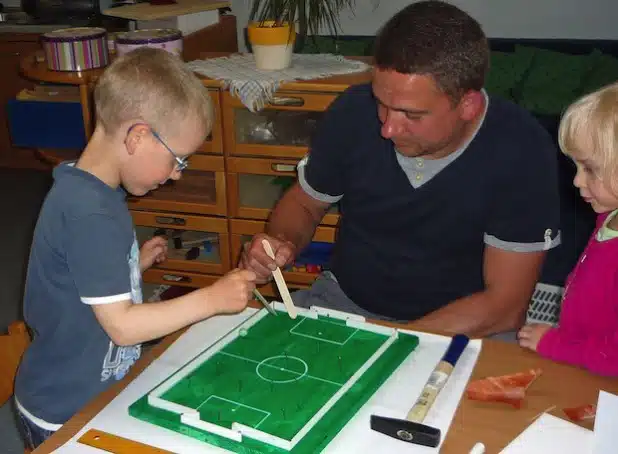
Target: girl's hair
[
  {"x": 591, "y": 123},
  {"x": 154, "y": 86}
]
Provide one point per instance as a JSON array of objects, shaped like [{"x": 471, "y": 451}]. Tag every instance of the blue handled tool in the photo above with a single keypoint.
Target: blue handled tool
[{"x": 411, "y": 429}]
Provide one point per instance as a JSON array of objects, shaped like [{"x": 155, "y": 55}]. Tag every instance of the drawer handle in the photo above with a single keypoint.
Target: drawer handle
[
  {"x": 287, "y": 101},
  {"x": 167, "y": 220},
  {"x": 175, "y": 278},
  {"x": 283, "y": 167}
]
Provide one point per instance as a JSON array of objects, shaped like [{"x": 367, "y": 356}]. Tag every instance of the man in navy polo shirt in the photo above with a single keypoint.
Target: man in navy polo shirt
[{"x": 448, "y": 196}]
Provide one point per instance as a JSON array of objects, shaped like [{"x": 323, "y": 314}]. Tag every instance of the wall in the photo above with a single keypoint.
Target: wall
[{"x": 583, "y": 19}]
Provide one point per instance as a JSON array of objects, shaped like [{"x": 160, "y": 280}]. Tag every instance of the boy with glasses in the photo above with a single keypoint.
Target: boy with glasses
[{"x": 83, "y": 288}]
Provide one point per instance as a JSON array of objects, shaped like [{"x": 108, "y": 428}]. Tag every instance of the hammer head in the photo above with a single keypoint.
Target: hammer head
[{"x": 402, "y": 429}]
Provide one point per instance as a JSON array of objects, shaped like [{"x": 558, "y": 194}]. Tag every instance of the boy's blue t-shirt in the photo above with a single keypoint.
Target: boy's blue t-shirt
[{"x": 83, "y": 253}]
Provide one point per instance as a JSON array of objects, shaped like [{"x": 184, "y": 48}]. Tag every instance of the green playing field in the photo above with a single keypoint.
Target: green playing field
[{"x": 277, "y": 376}]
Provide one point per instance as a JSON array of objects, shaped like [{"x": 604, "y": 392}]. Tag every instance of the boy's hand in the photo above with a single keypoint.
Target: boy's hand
[
  {"x": 232, "y": 292},
  {"x": 530, "y": 335},
  {"x": 153, "y": 251},
  {"x": 254, "y": 256}
]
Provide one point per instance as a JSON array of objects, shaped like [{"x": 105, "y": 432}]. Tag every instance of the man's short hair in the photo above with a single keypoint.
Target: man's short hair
[
  {"x": 154, "y": 86},
  {"x": 436, "y": 39}
]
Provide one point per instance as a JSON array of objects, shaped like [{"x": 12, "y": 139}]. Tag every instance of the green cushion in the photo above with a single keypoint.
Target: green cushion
[
  {"x": 328, "y": 45},
  {"x": 506, "y": 70},
  {"x": 604, "y": 72},
  {"x": 554, "y": 80}
]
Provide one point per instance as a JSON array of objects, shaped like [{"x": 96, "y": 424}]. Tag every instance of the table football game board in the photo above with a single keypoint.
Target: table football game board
[{"x": 277, "y": 385}]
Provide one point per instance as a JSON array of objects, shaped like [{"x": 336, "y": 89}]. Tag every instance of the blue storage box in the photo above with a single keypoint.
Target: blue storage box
[
  {"x": 316, "y": 253},
  {"x": 46, "y": 124}
]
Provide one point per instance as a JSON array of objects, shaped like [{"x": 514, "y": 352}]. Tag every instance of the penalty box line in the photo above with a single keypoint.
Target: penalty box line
[
  {"x": 238, "y": 404},
  {"x": 320, "y": 338}
]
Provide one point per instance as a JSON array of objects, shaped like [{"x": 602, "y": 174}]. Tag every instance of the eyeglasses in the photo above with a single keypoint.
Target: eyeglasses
[{"x": 181, "y": 163}]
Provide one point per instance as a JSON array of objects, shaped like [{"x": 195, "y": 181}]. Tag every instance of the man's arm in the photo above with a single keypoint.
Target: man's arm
[
  {"x": 292, "y": 224},
  {"x": 510, "y": 278},
  {"x": 296, "y": 217}
]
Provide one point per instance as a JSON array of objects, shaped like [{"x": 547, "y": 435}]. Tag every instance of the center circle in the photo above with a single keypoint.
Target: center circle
[{"x": 281, "y": 369}]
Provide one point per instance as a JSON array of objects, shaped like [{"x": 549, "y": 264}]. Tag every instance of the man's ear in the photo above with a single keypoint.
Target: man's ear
[
  {"x": 471, "y": 104},
  {"x": 135, "y": 137}
]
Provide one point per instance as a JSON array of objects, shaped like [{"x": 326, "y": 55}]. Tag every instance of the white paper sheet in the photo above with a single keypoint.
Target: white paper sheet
[
  {"x": 552, "y": 435},
  {"x": 605, "y": 433},
  {"x": 393, "y": 399}
]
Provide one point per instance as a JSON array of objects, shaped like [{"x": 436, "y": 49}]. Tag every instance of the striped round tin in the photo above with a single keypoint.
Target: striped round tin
[
  {"x": 76, "y": 49},
  {"x": 169, "y": 39}
]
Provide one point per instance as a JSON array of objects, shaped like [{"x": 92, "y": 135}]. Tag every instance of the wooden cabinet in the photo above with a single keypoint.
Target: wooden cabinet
[
  {"x": 13, "y": 48},
  {"x": 232, "y": 182},
  {"x": 214, "y": 141},
  {"x": 260, "y": 153}
]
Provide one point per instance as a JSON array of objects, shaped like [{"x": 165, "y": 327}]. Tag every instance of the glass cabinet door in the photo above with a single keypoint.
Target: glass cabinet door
[
  {"x": 201, "y": 190},
  {"x": 283, "y": 129},
  {"x": 195, "y": 243},
  {"x": 256, "y": 184}
]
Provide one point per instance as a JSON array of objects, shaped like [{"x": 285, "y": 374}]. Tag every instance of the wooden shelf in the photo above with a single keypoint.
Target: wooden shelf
[
  {"x": 34, "y": 67},
  {"x": 56, "y": 156},
  {"x": 146, "y": 11}
]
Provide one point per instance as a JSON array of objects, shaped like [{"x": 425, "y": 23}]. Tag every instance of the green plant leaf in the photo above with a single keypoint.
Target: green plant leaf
[{"x": 310, "y": 15}]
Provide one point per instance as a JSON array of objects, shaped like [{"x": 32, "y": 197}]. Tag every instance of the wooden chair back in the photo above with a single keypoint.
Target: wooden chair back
[{"x": 12, "y": 347}]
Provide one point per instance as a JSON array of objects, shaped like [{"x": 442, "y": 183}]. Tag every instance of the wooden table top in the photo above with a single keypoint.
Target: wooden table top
[{"x": 496, "y": 425}]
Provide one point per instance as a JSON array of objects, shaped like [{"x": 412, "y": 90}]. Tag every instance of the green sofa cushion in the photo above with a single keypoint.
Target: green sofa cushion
[
  {"x": 349, "y": 47},
  {"x": 506, "y": 71},
  {"x": 554, "y": 80},
  {"x": 603, "y": 72}
]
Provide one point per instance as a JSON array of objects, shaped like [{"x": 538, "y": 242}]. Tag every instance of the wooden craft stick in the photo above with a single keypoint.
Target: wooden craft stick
[{"x": 281, "y": 285}]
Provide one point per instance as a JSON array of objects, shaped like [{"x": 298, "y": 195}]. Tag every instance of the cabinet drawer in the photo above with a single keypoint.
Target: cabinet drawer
[
  {"x": 256, "y": 184},
  {"x": 214, "y": 141},
  {"x": 241, "y": 231},
  {"x": 282, "y": 129},
  {"x": 195, "y": 243},
  {"x": 201, "y": 190},
  {"x": 178, "y": 278}
]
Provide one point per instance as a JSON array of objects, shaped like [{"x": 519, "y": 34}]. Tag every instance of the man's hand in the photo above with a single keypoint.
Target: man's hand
[
  {"x": 254, "y": 256},
  {"x": 153, "y": 251},
  {"x": 530, "y": 335}
]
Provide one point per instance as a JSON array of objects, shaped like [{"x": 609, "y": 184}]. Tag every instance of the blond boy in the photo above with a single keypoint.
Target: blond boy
[{"x": 83, "y": 286}]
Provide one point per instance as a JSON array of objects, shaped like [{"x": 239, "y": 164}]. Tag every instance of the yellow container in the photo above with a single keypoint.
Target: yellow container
[{"x": 272, "y": 46}]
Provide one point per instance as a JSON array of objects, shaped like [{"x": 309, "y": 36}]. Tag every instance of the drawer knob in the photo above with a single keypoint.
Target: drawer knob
[
  {"x": 168, "y": 220},
  {"x": 175, "y": 278},
  {"x": 287, "y": 101},
  {"x": 284, "y": 167}
]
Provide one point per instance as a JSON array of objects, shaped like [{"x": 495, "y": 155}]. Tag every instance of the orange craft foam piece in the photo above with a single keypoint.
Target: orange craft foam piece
[
  {"x": 581, "y": 413},
  {"x": 510, "y": 389}
]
